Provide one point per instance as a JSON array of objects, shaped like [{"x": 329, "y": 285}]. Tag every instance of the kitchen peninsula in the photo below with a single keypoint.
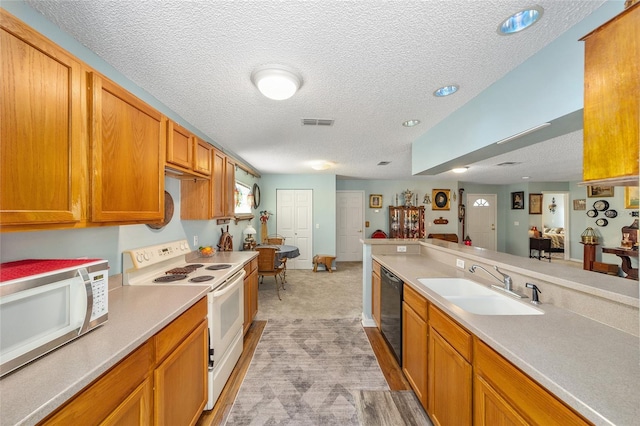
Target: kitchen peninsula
[{"x": 584, "y": 349}]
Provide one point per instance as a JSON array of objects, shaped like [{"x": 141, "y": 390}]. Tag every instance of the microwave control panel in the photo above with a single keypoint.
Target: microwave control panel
[{"x": 100, "y": 288}]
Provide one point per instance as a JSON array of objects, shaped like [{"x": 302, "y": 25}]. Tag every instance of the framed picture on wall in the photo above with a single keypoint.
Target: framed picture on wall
[
  {"x": 517, "y": 200},
  {"x": 535, "y": 203},
  {"x": 599, "y": 191},
  {"x": 375, "y": 201},
  {"x": 580, "y": 204},
  {"x": 441, "y": 199},
  {"x": 631, "y": 197}
]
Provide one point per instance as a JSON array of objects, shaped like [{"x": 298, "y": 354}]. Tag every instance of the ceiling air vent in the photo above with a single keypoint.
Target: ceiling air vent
[
  {"x": 383, "y": 163},
  {"x": 317, "y": 122},
  {"x": 508, "y": 163}
]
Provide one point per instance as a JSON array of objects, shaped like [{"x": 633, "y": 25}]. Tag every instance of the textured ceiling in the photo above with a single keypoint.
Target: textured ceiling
[{"x": 368, "y": 65}]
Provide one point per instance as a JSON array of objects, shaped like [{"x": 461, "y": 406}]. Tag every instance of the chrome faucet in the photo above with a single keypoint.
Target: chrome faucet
[{"x": 507, "y": 282}]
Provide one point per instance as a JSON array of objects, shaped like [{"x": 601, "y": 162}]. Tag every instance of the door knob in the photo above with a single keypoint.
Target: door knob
[{"x": 493, "y": 228}]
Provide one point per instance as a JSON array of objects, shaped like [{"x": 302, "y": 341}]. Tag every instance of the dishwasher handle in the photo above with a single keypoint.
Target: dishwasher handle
[{"x": 390, "y": 276}]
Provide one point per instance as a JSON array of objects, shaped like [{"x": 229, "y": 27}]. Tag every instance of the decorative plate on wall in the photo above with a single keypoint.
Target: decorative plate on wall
[
  {"x": 256, "y": 196},
  {"x": 602, "y": 222},
  {"x": 611, "y": 214},
  {"x": 592, "y": 213},
  {"x": 601, "y": 205}
]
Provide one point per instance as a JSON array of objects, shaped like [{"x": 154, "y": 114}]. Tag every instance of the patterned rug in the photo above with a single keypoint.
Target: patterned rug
[{"x": 304, "y": 372}]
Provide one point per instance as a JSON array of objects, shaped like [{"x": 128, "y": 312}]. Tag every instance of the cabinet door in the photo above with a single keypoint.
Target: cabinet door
[
  {"x": 202, "y": 162},
  {"x": 179, "y": 146},
  {"x": 136, "y": 409},
  {"x": 230, "y": 188},
  {"x": 375, "y": 293},
  {"x": 218, "y": 186},
  {"x": 449, "y": 383},
  {"x": 414, "y": 351},
  {"x": 127, "y": 139},
  {"x": 490, "y": 409},
  {"x": 611, "y": 93},
  {"x": 42, "y": 150},
  {"x": 181, "y": 381}
]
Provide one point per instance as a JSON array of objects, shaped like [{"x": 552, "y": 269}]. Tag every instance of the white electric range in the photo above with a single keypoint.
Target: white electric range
[{"x": 166, "y": 264}]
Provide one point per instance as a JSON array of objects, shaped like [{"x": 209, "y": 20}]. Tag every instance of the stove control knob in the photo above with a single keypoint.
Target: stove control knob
[
  {"x": 146, "y": 255},
  {"x": 139, "y": 257}
]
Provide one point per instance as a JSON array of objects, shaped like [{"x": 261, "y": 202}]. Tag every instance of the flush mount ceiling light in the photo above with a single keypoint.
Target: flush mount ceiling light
[
  {"x": 460, "y": 169},
  {"x": 411, "y": 123},
  {"x": 321, "y": 165},
  {"x": 446, "y": 91},
  {"x": 520, "y": 21},
  {"x": 276, "y": 82}
]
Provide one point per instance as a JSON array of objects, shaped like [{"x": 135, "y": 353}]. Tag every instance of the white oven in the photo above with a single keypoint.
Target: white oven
[{"x": 166, "y": 264}]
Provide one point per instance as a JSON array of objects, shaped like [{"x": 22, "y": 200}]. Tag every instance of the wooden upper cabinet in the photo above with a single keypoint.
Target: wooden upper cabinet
[
  {"x": 230, "y": 188},
  {"x": 218, "y": 187},
  {"x": 202, "y": 161},
  {"x": 42, "y": 152},
  {"x": 186, "y": 153},
  {"x": 612, "y": 98},
  {"x": 179, "y": 146},
  {"x": 127, "y": 142}
]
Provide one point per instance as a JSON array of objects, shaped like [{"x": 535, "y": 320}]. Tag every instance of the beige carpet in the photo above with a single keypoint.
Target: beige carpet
[{"x": 314, "y": 295}]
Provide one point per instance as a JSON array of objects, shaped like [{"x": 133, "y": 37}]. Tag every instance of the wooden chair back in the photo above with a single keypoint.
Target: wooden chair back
[
  {"x": 266, "y": 259},
  {"x": 274, "y": 239}
]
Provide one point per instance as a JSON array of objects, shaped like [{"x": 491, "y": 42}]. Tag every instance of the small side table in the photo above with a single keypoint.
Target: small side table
[{"x": 540, "y": 245}]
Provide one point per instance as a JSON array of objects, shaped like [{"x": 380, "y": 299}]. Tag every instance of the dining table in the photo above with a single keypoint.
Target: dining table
[{"x": 283, "y": 252}]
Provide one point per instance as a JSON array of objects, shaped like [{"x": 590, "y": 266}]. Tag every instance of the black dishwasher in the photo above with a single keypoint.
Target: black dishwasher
[{"x": 391, "y": 311}]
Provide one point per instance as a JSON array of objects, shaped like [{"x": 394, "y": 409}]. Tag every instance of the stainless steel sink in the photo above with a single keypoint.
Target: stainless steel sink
[{"x": 476, "y": 298}]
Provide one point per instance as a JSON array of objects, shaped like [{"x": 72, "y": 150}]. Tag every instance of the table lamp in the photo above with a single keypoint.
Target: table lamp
[{"x": 249, "y": 232}]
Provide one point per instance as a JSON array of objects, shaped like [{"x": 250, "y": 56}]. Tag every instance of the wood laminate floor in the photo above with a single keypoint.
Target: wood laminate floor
[{"x": 217, "y": 415}]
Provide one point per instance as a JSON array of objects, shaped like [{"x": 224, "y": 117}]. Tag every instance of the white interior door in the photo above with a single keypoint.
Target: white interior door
[
  {"x": 349, "y": 223},
  {"x": 294, "y": 221},
  {"x": 481, "y": 220}
]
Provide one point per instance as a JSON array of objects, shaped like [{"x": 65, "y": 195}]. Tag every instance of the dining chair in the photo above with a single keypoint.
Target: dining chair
[
  {"x": 278, "y": 240},
  {"x": 267, "y": 266}
]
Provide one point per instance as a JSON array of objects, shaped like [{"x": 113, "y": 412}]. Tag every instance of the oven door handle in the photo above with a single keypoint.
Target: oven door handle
[{"x": 229, "y": 285}]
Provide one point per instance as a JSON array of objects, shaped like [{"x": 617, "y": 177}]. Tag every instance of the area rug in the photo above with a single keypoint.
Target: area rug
[
  {"x": 390, "y": 408},
  {"x": 304, "y": 372}
]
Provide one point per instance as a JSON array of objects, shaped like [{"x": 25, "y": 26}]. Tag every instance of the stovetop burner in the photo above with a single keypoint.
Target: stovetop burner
[
  {"x": 218, "y": 266},
  {"x": 194, "y": 265},
  {"x": 170, "y": 278},
  {"x": 201, "y": 278}
]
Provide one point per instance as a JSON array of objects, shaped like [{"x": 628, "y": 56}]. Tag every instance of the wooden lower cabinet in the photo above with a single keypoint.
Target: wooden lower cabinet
[
  {"x": 250, "y": 293},
  {"x": 163, "y": 382},
  {"x": 504, "y": 395},
  {"x": 375, "y": 293},
  {"x": 181, "y": 381},
  {"x": 450, "y": 372},
  {"x": 414, "y": 342}
]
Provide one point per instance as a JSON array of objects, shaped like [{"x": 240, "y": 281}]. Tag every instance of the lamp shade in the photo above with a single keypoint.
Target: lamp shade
[
  {"x": 276, "y": 81},
  {"x": 249, "y": 230}
]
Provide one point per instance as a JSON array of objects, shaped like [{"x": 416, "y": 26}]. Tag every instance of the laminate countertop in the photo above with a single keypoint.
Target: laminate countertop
[
  {"x": 594, "y": 368},
  {"x": 136, "y": 313}
]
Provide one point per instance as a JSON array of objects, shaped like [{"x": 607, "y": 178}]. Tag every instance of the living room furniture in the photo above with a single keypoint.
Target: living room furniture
[
  {"x": 406, "y": 222},
  {"x": 625, "y": 255},
  {"x": 538, "y": 246}
]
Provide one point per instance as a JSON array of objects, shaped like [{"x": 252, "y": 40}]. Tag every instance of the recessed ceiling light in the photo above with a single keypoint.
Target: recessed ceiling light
[
  {"x": 520, "y": 21},
  {"x": 446, "y": 91},
  {"x": 276, "y": 82},
  {"x": 525, "y": 177},
  {"x": 411, "y": 123},
  {"x": 460, "y": 169},
  {"x": 384, "y": 163}
]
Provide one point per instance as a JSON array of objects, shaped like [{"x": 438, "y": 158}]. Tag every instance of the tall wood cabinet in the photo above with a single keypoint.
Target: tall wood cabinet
[
  {"x": 406, "y": 222},
  {"x": 40, "y": 100},
  {"x": 612, "y": 98}
]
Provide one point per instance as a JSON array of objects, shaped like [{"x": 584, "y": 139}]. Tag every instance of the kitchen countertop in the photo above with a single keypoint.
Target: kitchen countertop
[
  {"x": 592, "y": 367},
  {"x": 136, "y": 313}
]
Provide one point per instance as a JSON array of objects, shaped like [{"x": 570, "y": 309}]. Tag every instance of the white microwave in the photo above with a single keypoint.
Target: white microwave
[{"x": 45, "y": 303}]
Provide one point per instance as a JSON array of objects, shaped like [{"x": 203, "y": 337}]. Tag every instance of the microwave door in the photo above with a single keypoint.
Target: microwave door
[{"x": 38, "y": 320}]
